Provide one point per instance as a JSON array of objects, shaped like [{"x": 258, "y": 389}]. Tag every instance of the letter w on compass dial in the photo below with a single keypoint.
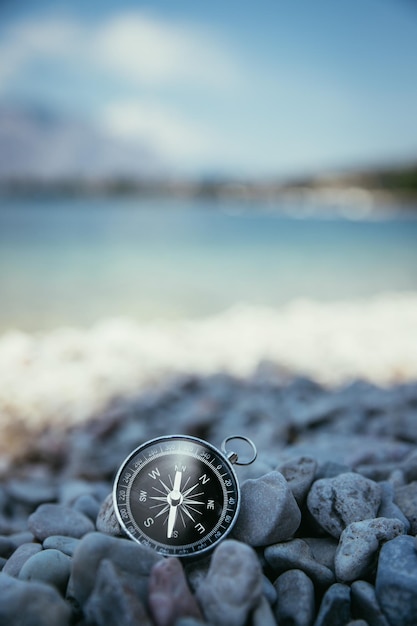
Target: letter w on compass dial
[{"x": 176, "y": 500}]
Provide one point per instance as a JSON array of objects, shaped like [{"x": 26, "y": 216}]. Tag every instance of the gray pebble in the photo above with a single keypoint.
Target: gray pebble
[
  {"x": 268, "y": 513},
  {"x": 336, "y": 502},
  {"x": 295, "y": 599},
  {"x": 87, "y": 505},
  {"x": 48, "y": 566},
  {"x": 409, "y": 467},
  {"x": 113, "y": 600},
  {"x": 358, "y": 547},
  {"x": 22, "y": 537},
  {"x": 268, "y": 590},
  {"x": 233, "y": 585},
  {"x": 364, "y": 603},
  {"x": 133, "y": 562},
  {"x": 396, "y": 581},
  {"x": 67, "y": 545},
  {"x": 331, "y": 469},
  {"x": 107, "y": 521},
  {"x": 299, "y": 474},
  {"x": 19, "y": 557},
  {"x": 388, "y": 508},
  {"x": 335, "y": 607},
  {"x": 406, "y": 499},
  {"x": 7, "y": 547},
  {"x": 3, "y": 562},
  {"x": 297, "y": 554},
  {"x": 323, "y": 550},
  {"x": 31, "y": 492},
  {"x": 262, "y": 614},
  {"x": 31, "y": 604},
  {"x": 56, "y": 519}
]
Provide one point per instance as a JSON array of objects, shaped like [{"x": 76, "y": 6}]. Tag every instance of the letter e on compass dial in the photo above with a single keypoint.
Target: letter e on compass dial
[{"x": 178, "y": 495}]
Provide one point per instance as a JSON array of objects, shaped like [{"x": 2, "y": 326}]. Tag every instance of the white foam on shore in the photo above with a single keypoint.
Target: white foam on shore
[{"x": 68, "y": 374}]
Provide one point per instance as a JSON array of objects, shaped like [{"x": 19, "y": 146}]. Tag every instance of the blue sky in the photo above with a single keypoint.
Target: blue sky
[{"x": 261, "y": 89}]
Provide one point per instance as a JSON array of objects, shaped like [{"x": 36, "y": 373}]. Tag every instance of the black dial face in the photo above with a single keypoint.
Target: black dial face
[{"x": 177, "y": 495}]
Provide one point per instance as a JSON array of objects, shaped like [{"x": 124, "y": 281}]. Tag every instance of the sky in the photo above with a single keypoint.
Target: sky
[{"x": 266, "y": 88}]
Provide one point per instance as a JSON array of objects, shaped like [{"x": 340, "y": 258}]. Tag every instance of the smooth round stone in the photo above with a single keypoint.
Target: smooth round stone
[
  {"x": 268, "y": 513},
  {"x": 7, "y": 547},
  {"x": 31, "y": 604},
  {"x": 87, "y": 505},
  {"x": 299, "y": 474},
  {"x": 335, "y": 607},
  {"x": 396, "y": 581},
  {"x": 406, "y": 499},
  {"x": 297, "y": 554},
  {"x": 365, "y": 604},
  {"x": 233, "y": 585},
  {"x": 31, "y": 492},
  {"x": 107, "y": 521},
  {"x": 388, "y": 508},
  {"x": 113, "y": 600},
  {"x": 133, "y": 562},
  {"x": 56, "y": 519},
  {"x": 337, "y": 502},
  {"x": 67, "y": 545},
  {"x": 359, "y": 544},
  {"x": 19, "y": 557},
  {"x": 48, "y": 566},
  {"x": 22, "y": 537},
  {"x": 262, "y": 614},
  {"x": 323, "y": 550},
  {"x": 295, "y": 599}
]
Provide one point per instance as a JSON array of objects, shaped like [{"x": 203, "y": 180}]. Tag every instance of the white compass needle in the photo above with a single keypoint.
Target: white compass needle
[{"x": 174, "y": 499}]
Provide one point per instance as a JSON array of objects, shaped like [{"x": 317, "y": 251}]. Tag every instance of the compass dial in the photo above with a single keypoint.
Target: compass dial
[{"x": 178, "y": 495}]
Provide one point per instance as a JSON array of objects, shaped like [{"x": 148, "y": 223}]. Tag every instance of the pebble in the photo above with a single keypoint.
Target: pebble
[
  {"x": 388, "y": 508},
  {"x": 87, "y": 505},
  {"x": 107, "y": 521},
  {"x": 295, "y": 599},
  {"x": 233, "y": 585},
  {"x": 113, "y": 600},
  {"x": 335, "y": 607},
  {"x": 406, "y": 499},
  {"x": 299, "y": 474},
  {"x": 31, "y": 604},
  {"x": 262, "y": 614},
  {"x": 19, "y": 557},
  {"x": 364, "y": 603},
  {"x": 57, "y": 519},
  {"x": 396, "y": 581},
  {"x": 48, "y": 566},
  {"x": 297, "y": 554},
  {"x": 323, "y": 550},
  {"x": 359, "y": 543},
  {"x": 32, "y": 492},
  {"x": 336, "y": 502},
  {"x": 169, "y": 595},
  {"x": 67, "y": 545},
  {"x": 133, "y": 562},
  {"x": 7, "y": 547},
  {"x": 268, "y": 513}
]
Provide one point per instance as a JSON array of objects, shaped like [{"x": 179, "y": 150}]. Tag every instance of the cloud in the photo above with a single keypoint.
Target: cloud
[{"x": 137, "y": 47}]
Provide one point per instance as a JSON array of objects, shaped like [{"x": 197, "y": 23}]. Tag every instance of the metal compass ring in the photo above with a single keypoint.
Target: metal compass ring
[{"x": 233, "y": 456}]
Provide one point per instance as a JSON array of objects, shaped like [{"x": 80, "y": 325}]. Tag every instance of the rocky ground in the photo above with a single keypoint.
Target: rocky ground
[{"x": 326, "y": 534}]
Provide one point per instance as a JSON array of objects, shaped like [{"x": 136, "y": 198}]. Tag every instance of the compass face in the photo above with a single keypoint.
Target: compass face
[{"x": 178, "y": 495}]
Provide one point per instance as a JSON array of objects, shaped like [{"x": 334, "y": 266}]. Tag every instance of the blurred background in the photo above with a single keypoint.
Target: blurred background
[{"x": 200, "y": 187}]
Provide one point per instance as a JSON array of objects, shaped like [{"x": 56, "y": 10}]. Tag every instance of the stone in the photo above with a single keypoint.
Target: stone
[
  {"x": 388, "y": 508},
  {"x": 88, "y": 505},
  {"x": 57, "y": 519},
  {"x": 31, "y": 604},
  {"x": 268, "y": 590},
  {"x": 323, "y": 550},
  {"x": 7, "y": 547},
  {"x": 295, "y": 599},
  {"x": 169, "y": 595},
  {"x": 336, "y": 502},
  {"x": 396, "y": 581},
  {"x": 297, "y": 554},
  {"x": 268, "y": 513},
  {"x": 233, "y": 585},
  {"x": 22, "y": 537},
  {"x": 262, "y": 614},
  {"x": 32, "y": 492},
  {"x": 365, "y": 604},
  {"x": 67, "y": 545},
  {"x": 132, "y": 560},
  {"x": 299, "y": 474},
  {"x": 48, "y": 566},
  {"x": 335, "y": 607},
  {"x": 19, "y": 557},
  {"x": 406, "y": 499},
  {"x": 107, "y": 521},
  {"x": 357, "y": 553},
  {"x": 113, "y": 600}
]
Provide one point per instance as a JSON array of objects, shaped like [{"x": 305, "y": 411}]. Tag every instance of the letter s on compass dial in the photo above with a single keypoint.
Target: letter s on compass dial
[{"x": 178, "y": 495}]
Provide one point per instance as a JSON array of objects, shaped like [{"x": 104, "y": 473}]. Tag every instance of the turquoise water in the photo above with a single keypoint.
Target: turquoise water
[{"x": 75, "y": 261}]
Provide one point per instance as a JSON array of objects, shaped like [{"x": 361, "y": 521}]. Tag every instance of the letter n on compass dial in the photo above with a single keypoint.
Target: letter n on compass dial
[{"x": 178, "y": 495}]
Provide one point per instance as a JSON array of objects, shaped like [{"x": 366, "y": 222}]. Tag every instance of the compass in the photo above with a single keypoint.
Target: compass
[{"x": 179, "y": 494}]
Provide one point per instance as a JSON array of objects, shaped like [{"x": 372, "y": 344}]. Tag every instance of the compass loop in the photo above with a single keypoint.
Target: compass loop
[{"x": 233, "y": 457}]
